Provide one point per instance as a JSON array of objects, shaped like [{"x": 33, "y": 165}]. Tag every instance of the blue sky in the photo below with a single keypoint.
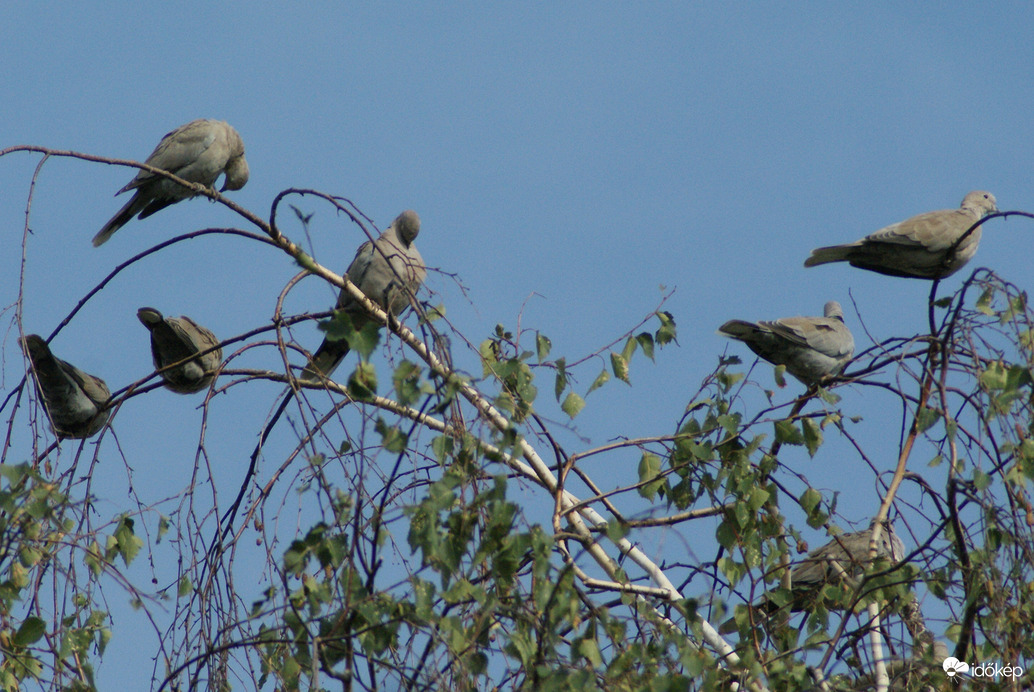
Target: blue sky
[{"x": 572, "y": 163}]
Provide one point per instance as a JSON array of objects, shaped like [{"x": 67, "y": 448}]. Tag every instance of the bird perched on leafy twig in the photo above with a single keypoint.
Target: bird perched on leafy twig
[
  {"x": 848, "y": 552},
  {"x": 813, "y": 349},
  {"x": 198, "y": 152},
  {"x": 388, "y": 271},
  {"x": 75, "y": 400},
  {"x": 175, "y": 339},
  {"x": 922, "y": 247}
]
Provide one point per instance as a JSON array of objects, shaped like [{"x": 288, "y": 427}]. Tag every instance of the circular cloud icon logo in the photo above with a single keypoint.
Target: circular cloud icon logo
[{"x": 953, "y": 666}]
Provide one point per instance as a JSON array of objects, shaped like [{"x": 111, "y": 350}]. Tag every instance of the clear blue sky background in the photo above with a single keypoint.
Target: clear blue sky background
[{"x": 571, "y": 161}]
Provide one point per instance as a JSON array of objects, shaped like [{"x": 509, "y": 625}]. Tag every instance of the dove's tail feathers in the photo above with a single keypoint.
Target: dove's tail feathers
[
  {"x": 738, "y": 329},
  {"x": 155, "y": 205},
  {"x": 326, "y": 359},
  {"x": 833, "y": 253},
  {"x": 118, "y": 221}
]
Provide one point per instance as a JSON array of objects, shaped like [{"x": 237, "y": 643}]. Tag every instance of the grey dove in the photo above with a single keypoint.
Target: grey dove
[
  {"x": 849, "y": 551},
  {"x": 918, "y": 247},
  {"x": 75, "y": 400},
  {"x": 813, "y": 349},
  {"x": 388, "y": 271},
  {"x": 176, "y": 339},
  {"x": 198, "y": 152}
]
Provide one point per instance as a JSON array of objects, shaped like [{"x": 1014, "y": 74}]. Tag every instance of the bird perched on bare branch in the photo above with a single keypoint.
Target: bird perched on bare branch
[
  {"x": 846, "y": 554},
  {"x": 176, "y": 339},
  {"x": 389, "y": 271},
  {"x": 813, "y": 349},
  {"x": 198, "y": 152},
  {"x": 74, "y": 400},
  {"x": 919, "y": 247}
]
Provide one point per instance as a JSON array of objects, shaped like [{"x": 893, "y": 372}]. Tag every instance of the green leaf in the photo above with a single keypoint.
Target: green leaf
[
  {"x": 163, "y": 527},
  {"x": 94, "y": 559},
  {"x": 729, "y": 379},
  {"x": 983, "y": 303},
  {"x": 757, "y": 498},
  {"x": 666, "y": 332},
  {"x": 392, "y": 439},
  {"x": 573, "y": 404},
  {"x": 620, "y": 366},
  {"x": 812, "y": 436},
  {"x": 829, "y": 397},
  {"x": 810, "y": 500},
  {"x": 489, "y": 352},
  {"x": 362, "y": 341},
  {"x": 927, "y": 418},
  {"x": 30, "y": 632},
  {"x": 600, "y": 380},
  {"x": 128, "y": 544},
  {"x": 435, "y": 313},
  {"x": 406, "y": 381},
  {"x": 994, "y": 377},
  {"x": 542, "y": 346},
  {"x": 646, "y": 343},
  {"x": 787, "y": 433},
  {"x": 616, "y": 530},
  {"x": 726, "y": 535},
  {"x": 649, "y": 475},
  {"x": 590, "y": 650},
  {"x": 629, "y": 349},
  {"x": 362, "y": 383},
  {"x": 561, "y": 377},
  {"x": 732, "y": 570},
  {"x": 443, "y": 447}
]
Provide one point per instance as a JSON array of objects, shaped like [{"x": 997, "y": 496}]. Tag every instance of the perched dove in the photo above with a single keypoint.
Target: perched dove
[
  {"x": 813, "y": 349},
  {"x": 389, "y": 270},
  {"x": 917, "y": 247},
  {"x": 199, "y": 152},
  {"x": 849, "y": 551},
  {"x": 175, "y": 339},
  {"x": 75, "y": 401}
]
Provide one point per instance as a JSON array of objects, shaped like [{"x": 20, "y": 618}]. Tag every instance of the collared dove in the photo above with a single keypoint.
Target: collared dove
[
  {"x": 75, "y": 400},
  {"x": 849, "y": 552},
  {"x": 174, "y": 339},
  {"x": 389, "y": 271},
  {"x": 813, "y": 349},
  {"x": 917, "y": 247},
  {"x": 198, "y": 152}
]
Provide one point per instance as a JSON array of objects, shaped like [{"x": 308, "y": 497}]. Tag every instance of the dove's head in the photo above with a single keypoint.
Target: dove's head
[
  {"x": 980, "y": 202},
  {"x": 236, "y": 174},
  {"x": 35, "y": 346},
  {"x": 236, "y": 166},
  {"x": 407, "y": 226},
  {"x": 833, "y": 309},
  {"x": 149, "y": 317},
  {"x": 890, "y": 545}
]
